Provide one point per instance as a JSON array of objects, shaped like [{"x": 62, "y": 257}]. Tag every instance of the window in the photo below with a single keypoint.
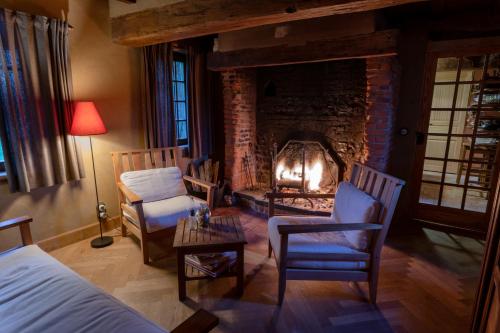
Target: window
[
  {"x": 180, "y": 98},
  {"x": 2, "y": 160}
]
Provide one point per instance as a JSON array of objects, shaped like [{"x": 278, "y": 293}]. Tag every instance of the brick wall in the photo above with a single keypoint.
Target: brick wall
[
  {"x": 239, "y": 94},
  {"x": 382, "y": 75},
  {"x": 350, "y": 103},
  {"x": 326, "y": 98}
]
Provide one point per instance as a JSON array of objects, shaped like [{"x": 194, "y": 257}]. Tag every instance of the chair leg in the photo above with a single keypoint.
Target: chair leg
[
  {"x": 281, "y": 286},
  {"x": 124, "y": 230},
  {"x": 372, "y": 287},
  {"x": 145, "y": 251},
  {"x": 269, "y": 249}
]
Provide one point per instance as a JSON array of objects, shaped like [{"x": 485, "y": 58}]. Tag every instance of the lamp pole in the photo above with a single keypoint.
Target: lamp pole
[{"x": 102, "y": 241}]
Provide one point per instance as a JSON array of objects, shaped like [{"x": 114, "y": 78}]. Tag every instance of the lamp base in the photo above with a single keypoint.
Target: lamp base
[{"x": 101, "y": 242}]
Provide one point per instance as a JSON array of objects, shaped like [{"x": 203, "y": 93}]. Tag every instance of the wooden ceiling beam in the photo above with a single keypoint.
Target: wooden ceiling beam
[
  {"x": 192, "y": 18},
  {"x": 376, "y": 44}
]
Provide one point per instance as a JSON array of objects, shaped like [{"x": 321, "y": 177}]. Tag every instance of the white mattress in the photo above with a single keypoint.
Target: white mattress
[{"x": 39, "y": 294}]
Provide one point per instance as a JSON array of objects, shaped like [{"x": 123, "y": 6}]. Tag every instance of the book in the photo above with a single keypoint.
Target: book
[{"x": 212, "y": 264}]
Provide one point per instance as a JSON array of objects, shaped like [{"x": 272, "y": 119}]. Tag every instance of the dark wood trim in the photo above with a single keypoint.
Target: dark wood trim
[
  {"x": 376, "y": 44},
  {"x": 191, "y": 18},
  {"x": 128, "y": 1},
  {"x": 475, "y": 222},
  {"x": 464, "y": 47},
  {"x": 491, "y": 259},
  {"x": 451, "y": 229}
]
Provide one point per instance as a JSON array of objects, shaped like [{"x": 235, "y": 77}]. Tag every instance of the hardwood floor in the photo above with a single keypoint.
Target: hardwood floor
[{"x": 427, "y": 284}]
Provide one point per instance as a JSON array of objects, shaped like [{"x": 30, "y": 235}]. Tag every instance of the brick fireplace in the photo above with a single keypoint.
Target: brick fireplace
[{"x": 349, "y": 103}]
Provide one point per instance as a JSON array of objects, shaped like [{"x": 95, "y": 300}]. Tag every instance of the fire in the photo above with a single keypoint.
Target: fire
[{"x": 313, "y": 175}]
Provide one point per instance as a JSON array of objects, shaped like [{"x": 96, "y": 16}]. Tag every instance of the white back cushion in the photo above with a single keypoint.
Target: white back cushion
[
  {"x": 155, "y": 184},
  {"x": 355, "y": 206}
]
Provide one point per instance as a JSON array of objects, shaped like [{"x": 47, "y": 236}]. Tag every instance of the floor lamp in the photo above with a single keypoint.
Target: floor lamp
[{"x": 88, "y": 122}]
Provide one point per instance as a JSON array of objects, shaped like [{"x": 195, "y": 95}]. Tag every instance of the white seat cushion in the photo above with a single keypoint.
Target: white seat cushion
[
  {"x": 155, "y": 184},
  {"x": 355, "y": 206},
  {"x": 318, "y": 243},
  {"x": 165, "y": 213}
]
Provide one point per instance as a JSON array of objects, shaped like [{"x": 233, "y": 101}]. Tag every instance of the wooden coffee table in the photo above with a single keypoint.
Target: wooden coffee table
[{"x": 224, "y": 233}]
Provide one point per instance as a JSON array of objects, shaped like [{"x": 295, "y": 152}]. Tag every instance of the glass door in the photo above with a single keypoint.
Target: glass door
[{"x": 458, "y": 170}]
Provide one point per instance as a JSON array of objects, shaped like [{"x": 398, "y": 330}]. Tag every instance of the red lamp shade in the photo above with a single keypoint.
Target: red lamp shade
[{"x": 86, "y": 120}]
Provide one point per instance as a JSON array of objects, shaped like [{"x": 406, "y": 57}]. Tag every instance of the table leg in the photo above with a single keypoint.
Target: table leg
[
  {"x": 240, "y": 270},
  {"x": 181, "y": 275}
]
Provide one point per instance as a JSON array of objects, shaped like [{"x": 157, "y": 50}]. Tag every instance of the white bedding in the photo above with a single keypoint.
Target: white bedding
[{"x": 39, "y": 294}]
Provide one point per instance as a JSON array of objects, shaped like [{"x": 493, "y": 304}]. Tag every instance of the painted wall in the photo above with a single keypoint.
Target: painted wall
[{"x": 107, "y": 74}]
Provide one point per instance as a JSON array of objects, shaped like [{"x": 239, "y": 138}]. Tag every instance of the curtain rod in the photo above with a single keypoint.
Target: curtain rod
[{"x": 15, "y": 12}]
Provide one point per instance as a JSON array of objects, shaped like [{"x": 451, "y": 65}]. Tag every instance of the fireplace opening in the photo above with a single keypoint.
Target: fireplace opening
[{"x": 304, "y": 166}]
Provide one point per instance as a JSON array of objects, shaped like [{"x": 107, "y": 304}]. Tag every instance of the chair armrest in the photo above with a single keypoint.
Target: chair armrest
[
  {"x": 23, "y": 224},
  {"x": 15, "y": 222},
  {"x": 200, "y": 182},
  {"x": 133, "y": 198},
  {"x": 281, "y": 195},
  {"x": 310, "y": 228},
  {"x": 201, "y": 321}
]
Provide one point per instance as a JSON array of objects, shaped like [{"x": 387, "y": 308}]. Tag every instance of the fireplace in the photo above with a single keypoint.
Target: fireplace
[
  {"x": 306, "y": 166},
  {"x": 280, "y": 121}
]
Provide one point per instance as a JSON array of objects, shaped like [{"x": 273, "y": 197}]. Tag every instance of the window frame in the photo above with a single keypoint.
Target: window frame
[{"x": 180, "y": 56}]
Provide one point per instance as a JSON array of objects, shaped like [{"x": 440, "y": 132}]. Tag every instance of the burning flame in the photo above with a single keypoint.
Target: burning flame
[{"x": 313, "y": 175}]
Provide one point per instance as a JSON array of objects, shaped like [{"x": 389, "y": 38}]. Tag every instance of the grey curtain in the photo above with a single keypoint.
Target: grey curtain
[
  {"x": 158, "y": 110},
  {"x": 200, "y": 102},
  {"x": 36, "y": 101}
]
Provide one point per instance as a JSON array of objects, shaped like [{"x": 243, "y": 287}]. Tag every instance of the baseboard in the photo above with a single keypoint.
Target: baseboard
[{"x": 77, "y": 235}]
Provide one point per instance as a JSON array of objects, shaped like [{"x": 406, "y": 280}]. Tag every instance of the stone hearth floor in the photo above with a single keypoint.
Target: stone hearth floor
[{"x": 256, "y": 200}]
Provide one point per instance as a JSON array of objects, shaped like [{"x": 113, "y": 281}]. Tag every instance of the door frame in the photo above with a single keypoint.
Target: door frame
[{"x": 439, "y": 215}]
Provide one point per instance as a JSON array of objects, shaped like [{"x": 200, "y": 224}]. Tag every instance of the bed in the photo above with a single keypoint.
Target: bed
[{"x": 39, "y": 294}]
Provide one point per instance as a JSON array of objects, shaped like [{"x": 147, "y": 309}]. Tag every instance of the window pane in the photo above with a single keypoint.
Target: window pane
[
  {"x": 439, "y": 122},
  {"x": 436, "y": 146},
  {"x": 446, "y": 70},
  {"x": 181, "y": 130},
  {"x": 178, "y": 71},
  {"x": 476, "y": 201},
  {"x": 463, "y": 96},
  {"x": 429, "y": 194},
  {"x": 443, "y": 96},
  {"x": 452, "y": 196},
  {"x": 174, "y": 92},
  {"x": 180, "y": 110},
  {"x": 179, "y": 91},
  {"x": 1, "y": 153},
  {"x": 472, "y": 68},
  {"x": 433, "y": 170}
]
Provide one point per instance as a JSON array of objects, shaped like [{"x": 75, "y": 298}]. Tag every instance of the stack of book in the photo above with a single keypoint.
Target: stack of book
[{"x": 212, "y": 264}]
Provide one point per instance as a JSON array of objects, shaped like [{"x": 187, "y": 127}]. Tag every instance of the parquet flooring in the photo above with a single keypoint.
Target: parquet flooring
[{"x": 427, "y": 284}]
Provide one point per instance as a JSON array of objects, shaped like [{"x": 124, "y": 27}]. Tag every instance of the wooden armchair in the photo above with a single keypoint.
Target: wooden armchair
[
  {"x": 317, "y": 248},
  {"x": 133, "y": 208}
]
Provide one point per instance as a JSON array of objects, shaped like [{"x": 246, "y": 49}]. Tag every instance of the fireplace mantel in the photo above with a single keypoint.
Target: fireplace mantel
[{"x": 377, "y": 44}]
